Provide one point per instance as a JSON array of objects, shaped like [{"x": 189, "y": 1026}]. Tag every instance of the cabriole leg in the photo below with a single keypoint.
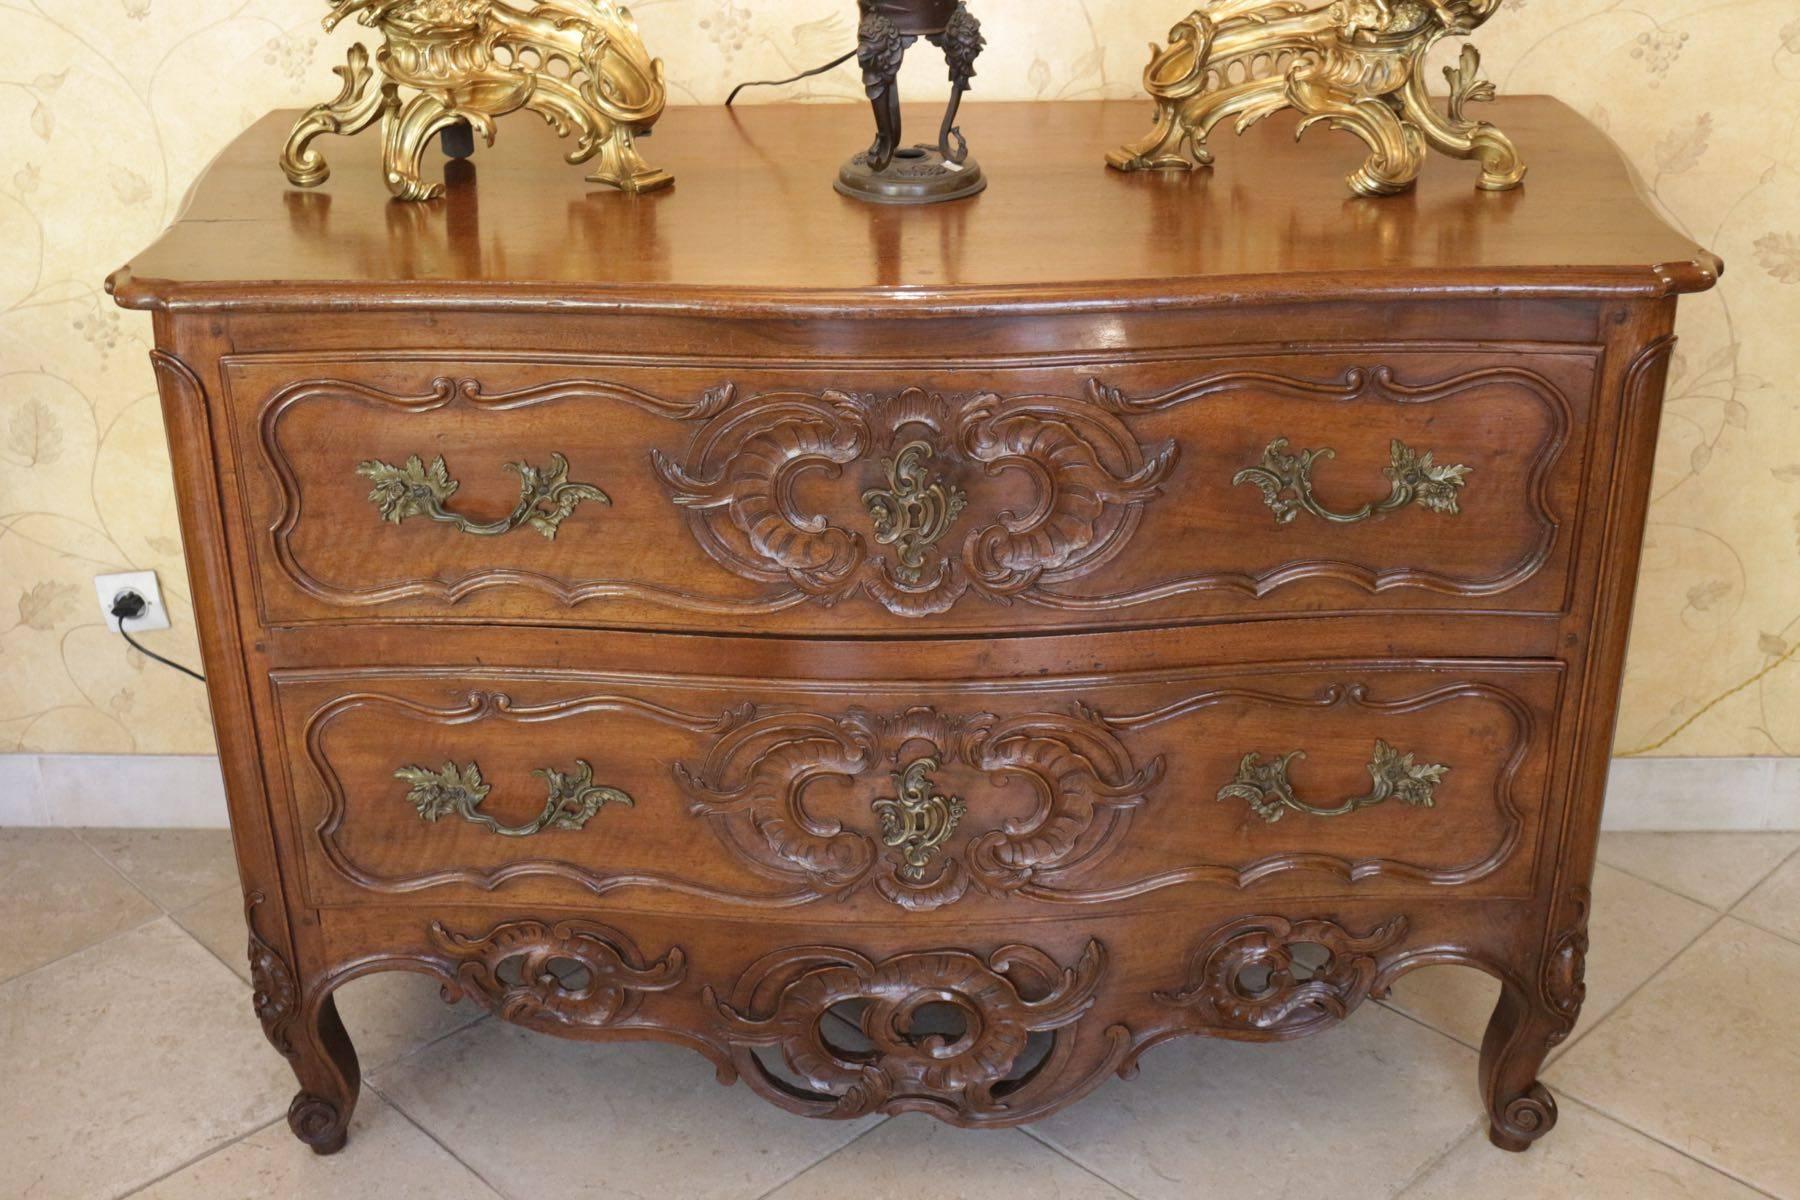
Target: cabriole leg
[
  {"x": 1519, "y": 1037},
  {"x": 330, "y": 1080}
]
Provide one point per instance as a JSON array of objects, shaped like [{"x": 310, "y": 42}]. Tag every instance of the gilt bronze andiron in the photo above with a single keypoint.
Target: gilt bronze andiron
[
  {"x": 579, "y": 64},
  {"x": 1357, "y": 65},
  {"x": 888, "y": 173}
]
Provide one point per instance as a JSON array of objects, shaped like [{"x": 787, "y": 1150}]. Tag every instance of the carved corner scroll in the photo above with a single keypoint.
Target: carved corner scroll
[
  {"x": 1093, "y": 481},
  {"x": 273, "y": 992},
  {"x": 972, "y": 1070},
  {"x": 1263, "y": 783},
  {"x": 1565, "y": 971},
  {"x": 546, "y": 497},
  {"x": 1277, "y": 978},
  {"x": 567, "y": 977},
  {"x": 458, "y": 791},
  {"x": 1083, "y": 779}
]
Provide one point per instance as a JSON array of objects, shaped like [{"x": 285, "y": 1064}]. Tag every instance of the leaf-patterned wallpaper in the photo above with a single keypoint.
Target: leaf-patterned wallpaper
[{"x": 109, "y": 108}]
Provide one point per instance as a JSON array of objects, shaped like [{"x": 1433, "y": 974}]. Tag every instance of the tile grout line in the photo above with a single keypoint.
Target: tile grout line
[
  {"x": 1053, "y": 1148},
  {"x": 1570, "y": 1094},
  {"x": 1571, "y": 1098},
  {"x": 466, "y": 1026},
  {"x": 145, "y": 896},
  {"x": 1719, "y": 916},
  {"x": 1437, "y": 1160},
  {"x": 434, "y": 1139},
  {"x": 198, "y": 1158},
  {"x": 196, "y": 937},
  {"x": 1774, "y": 933},
  {"x": 1733, "y": 910},
  {"x": 119, "y": 871},
  {"x": 1715, "y": 1168},
  {"x": 1762, "y": 879},
  {"x": 822, "y": 1159},
  {"x": 1422, "y": 1023},
  {"x": 1579, "y": 1035}
]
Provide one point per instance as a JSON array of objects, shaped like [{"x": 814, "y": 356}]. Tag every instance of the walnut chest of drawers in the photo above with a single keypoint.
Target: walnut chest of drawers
[{"x": 918, "y": 659}]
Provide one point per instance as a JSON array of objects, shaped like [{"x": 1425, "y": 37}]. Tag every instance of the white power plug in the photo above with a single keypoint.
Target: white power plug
[{"x": 110, "y": 587}]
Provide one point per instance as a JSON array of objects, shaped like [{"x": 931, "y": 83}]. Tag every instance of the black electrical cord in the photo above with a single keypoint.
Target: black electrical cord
[
  {"x": 129, "y": 606},
  {"x": 830, "y": 66}
]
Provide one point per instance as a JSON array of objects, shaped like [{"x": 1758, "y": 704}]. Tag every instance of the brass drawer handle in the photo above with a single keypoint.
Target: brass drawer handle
[
  {"x": 1285, "y": 481},
  {"x": 459, "y": 791},
  {"x": 546, "y": 497},
  {"x": 1264, "y": 784}
]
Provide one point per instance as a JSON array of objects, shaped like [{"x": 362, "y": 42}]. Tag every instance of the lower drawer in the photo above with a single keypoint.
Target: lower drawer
[{"x": 905, "y": 799}]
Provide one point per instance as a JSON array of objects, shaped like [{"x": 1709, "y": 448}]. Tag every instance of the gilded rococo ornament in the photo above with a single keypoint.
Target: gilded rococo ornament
[
  {"x": 579, "y": 64},
  {"x": 1357, "y": 65}
]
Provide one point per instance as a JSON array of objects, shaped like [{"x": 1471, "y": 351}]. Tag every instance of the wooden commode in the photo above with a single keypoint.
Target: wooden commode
[{"x": 917, "y": 659}]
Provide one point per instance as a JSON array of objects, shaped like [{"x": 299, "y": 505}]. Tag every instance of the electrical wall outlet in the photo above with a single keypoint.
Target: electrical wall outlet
[{"x": 109, "y": 587}]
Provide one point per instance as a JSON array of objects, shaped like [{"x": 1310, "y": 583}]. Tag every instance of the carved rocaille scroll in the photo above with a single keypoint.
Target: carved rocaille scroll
[
  {"x": 1250, "y": 976},
  {"x": 919, "y": 460},
  {"x": 1565, "y": 972},
  {"x": 564, "y": 977},
  {"x": 273, "y": 992},
  {"x": 1049, "y": 792},
  {"x": 968, "y": 1069}
]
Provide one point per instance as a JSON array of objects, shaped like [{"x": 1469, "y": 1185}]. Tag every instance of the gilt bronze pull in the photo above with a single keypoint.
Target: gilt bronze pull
[
  {"x": 458, "y": 791},
  {"x": 546, "y": 497},
  {"x": 1285, "y": 481},
  {"x": 1264, "y": 783}
]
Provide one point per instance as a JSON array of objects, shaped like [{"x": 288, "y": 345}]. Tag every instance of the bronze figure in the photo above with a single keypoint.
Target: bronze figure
[{"x": 888, "y": 173}]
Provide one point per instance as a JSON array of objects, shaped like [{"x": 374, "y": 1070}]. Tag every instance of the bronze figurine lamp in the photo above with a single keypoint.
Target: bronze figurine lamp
[{"x": 888, "y": 172}]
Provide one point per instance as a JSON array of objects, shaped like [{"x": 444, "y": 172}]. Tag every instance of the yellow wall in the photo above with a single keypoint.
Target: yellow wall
[{"x": 109, "y": 108}]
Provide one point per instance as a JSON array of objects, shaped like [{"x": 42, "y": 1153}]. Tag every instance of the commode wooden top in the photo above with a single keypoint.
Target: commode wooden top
[{"x": 753, "y": 226}]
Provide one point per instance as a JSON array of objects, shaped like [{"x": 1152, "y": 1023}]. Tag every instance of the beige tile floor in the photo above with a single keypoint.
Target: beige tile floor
[{"x": 132, "y": 1066}]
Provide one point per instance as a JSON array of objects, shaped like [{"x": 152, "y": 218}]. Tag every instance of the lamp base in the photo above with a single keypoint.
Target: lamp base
[{"x": 918, "y": 175}]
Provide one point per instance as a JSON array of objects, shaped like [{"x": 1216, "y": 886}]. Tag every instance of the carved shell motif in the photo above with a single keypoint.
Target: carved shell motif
[
  {"x": 273, "y": 992},
  {"x": 1034, "y": 795},
  {"x": 1565, "y": 971},
  {"x": 926, "y": 469},
  {"x": 783, "y": 1002}
]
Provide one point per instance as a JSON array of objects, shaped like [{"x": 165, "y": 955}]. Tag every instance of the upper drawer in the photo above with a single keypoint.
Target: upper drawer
[{"x": 850, "y": 500}]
